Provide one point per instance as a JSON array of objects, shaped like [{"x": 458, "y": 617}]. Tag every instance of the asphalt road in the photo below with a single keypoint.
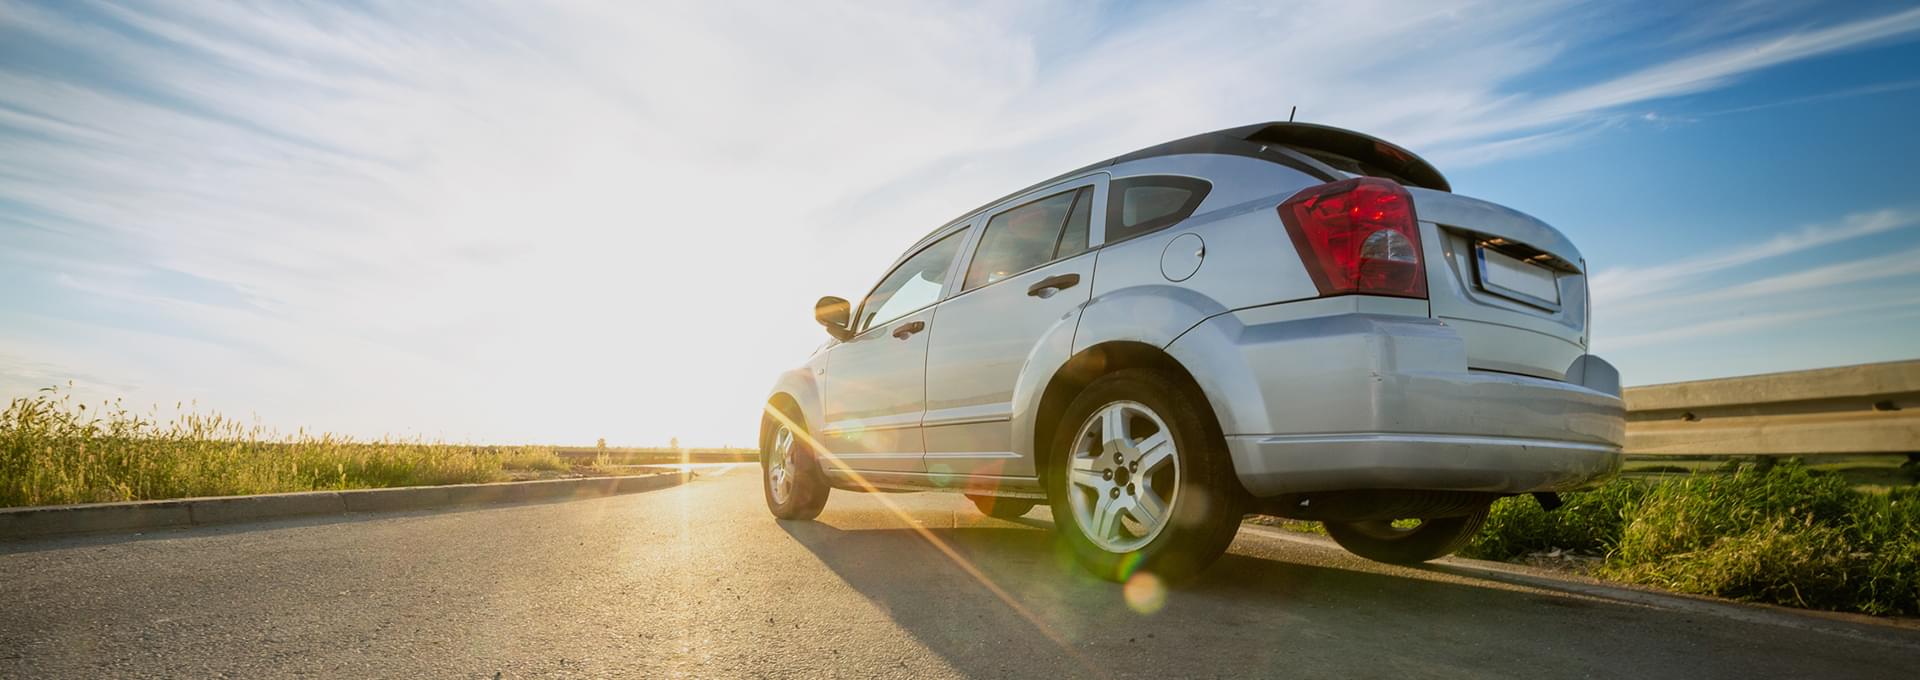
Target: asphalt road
[{"x": 700, "y": 581}]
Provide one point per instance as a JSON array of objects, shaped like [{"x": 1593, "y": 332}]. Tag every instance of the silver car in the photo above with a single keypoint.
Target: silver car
[{"x": 1283, "y": 319}]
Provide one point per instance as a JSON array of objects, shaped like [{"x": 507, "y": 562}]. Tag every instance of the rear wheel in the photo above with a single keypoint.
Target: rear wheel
[
  {"x": 1141, "y": 480},
  {"x": 1003, "y": 508},
  {"x": 791, "y": 478},
  {"x": 1382, "y": 541}
]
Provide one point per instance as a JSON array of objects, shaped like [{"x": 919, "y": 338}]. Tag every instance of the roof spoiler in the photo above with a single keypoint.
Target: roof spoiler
[{"x": 1359, "y": 147}]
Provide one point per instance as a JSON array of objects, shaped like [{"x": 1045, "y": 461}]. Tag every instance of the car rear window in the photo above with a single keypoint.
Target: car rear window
[
  {"x": 1351, "y": 166},
  {"x": 1139, "y": 205}
]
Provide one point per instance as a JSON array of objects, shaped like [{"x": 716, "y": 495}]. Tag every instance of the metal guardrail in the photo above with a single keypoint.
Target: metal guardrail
[{"x": 1864, "y": 409}]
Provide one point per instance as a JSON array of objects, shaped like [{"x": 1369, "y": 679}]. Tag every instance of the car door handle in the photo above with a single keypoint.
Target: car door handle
[
  {"x": 906, "y": 330},
  {"x": 1056, "y": 283}
]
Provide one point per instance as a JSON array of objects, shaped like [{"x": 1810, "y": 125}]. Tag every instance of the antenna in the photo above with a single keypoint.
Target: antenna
[{"x": 1290, "y": 113}]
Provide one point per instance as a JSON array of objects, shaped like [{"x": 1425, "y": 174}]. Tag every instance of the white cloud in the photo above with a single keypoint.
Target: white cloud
[
  {"x": 1697, "y": 72},
  {"x": 1761, "y": 307},
  {"x": 1846, "y": 93},
  {"x": 1621, "y": 288},
  {"x": 1891, "y": 266},
  {"x": 1715, "y": 325},
  {"x": 566, "y": 221},
  {"x": 1711, "y": 68}
]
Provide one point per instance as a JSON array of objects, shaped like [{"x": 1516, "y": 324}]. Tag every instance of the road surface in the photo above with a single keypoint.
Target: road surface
[{"x": 700, "y": 581}]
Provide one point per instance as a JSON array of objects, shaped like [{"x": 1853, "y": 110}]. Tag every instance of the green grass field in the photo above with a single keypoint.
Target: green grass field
[
  {"x": 54, "y": 451},
  {"x": 1840, "y": 534},
  {"x": 1789, "y": 534},
  {"x": 1864, "y": 472}
]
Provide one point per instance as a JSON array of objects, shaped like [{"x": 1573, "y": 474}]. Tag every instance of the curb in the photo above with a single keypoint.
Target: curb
[
  {"x": 1878, "y": 629},
  {"x": 60, "y": 520}
]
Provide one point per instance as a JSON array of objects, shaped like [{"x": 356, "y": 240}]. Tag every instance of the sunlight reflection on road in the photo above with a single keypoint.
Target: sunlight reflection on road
[
  {"x": 960, "y": 561},
  {"x": 698, "y": 469}
]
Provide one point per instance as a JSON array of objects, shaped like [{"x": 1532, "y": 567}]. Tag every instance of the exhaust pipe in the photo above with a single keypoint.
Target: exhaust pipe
[{"x": 1549, "y": 501}]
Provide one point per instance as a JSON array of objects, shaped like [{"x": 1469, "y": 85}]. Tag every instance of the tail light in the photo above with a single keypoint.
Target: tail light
[{"x": 1358, "y": 236}]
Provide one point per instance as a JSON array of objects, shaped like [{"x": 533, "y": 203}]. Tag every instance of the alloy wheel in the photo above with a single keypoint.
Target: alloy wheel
[
  {"x": 780, "y": 468},
  {"x": 1123, "y": 476}
]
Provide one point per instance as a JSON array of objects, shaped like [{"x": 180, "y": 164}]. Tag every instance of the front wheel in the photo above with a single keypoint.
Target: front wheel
[
  {"x": 791, "y": 478},
  {"x": 1382, "y": 541},
  {"x": 1141, "y": 480}
]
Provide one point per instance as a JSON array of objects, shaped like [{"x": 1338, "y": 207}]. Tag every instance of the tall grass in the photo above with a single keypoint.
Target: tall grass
[
  {"x": 55, "y": 451},
  {"x": 1787, "y": 535}
]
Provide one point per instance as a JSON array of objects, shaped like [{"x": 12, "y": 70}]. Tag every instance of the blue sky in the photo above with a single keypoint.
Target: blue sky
[{"x": 557, "y": 222}]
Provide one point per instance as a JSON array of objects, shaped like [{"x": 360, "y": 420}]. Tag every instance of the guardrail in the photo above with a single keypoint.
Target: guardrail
[{"x": 1860, "y": 410}]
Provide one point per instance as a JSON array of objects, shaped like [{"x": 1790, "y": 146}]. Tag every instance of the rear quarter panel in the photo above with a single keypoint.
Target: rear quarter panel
[
  {"x": 1249, "y": 261},
  {"x": 1249, "y": 258}
]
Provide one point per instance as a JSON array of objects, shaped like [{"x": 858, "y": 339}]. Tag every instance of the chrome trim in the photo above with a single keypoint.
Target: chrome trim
[
  {"x": 966, "y": 420},
  {"x": 843, "y": 429},
  {"x": 973, "y": 454}
]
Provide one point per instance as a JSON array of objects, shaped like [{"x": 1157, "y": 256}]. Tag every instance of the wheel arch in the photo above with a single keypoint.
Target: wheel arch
[
  {"x": 781, "y": 403},
  {"x": 796, "y": 396},
  {"x": 1088, "y": 365}
]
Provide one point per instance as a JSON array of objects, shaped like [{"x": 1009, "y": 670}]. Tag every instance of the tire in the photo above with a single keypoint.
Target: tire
[
  {"x": 799, "y": 490},
  {"x": 1380, "y": 541},
  {"x": 1196, "y": 523},
  {"x": 1003, "y": 508}
]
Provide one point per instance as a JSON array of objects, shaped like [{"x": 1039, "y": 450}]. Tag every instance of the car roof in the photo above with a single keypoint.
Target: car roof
[{"x": 1254, "y": 141}]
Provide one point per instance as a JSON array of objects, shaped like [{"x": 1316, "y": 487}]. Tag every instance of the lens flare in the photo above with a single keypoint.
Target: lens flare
[{"x": 1145, "y": 593}]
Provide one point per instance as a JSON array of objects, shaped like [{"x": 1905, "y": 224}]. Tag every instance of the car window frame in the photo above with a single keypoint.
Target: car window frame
[
  {"x": 1113, "y": 207},
  {"x": 946, "y": 281},
  {"x": 1096, "y": 227},
  {"x": 1060, "y": 232}
]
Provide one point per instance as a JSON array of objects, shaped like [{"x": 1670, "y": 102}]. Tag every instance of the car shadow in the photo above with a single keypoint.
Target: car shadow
[{"x": 1008, "y": 600}]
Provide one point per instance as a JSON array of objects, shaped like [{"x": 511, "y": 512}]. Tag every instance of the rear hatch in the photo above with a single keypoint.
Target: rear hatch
[{"x": 1514, "y": 288}]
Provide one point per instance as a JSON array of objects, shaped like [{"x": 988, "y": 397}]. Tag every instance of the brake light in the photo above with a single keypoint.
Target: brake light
[{"x": 1358, "y": 236}]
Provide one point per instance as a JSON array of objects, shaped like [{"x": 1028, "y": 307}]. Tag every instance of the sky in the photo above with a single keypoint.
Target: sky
[{"x": 558, "y": 222}]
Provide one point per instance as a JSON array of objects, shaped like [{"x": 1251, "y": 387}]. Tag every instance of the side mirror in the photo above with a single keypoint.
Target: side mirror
[{"x": 833, "y": 312}]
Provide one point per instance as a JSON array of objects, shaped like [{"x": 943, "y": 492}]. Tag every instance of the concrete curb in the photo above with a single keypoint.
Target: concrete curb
[
  {"x": 1879, "y": 629},
  {"x": 59, "y": 520}
]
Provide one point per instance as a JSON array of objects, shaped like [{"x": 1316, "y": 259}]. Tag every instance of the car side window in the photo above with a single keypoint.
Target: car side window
[
  {"x": 1027, "y": 236},
  {"x": 1138, "y": 205},
  {"x": 912, "y": 285}
]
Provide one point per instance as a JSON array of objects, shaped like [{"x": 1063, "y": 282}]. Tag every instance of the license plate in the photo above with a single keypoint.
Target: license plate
[{"x": 1515, "y": 278}]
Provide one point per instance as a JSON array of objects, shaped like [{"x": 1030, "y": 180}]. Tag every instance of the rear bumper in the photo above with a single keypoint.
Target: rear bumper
[
  {"x": 1360, "y": 394},
  {"x": 1271, "y": 465}
]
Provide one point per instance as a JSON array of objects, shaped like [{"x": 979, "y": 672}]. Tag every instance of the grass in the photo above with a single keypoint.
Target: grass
[
  {"x": 54, "y": 451},
  {"x": 1874, "y": 471},
  {"x": 1787, "y": 535}
]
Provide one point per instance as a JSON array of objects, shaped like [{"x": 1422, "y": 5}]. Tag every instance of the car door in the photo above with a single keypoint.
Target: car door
[
  {"x": 874, "y": 387},
  {"x": 1029, "y": 274}
]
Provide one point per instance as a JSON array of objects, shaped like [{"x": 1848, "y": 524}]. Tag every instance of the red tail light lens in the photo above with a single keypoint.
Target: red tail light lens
[{"x": 1358, "y": 236}]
